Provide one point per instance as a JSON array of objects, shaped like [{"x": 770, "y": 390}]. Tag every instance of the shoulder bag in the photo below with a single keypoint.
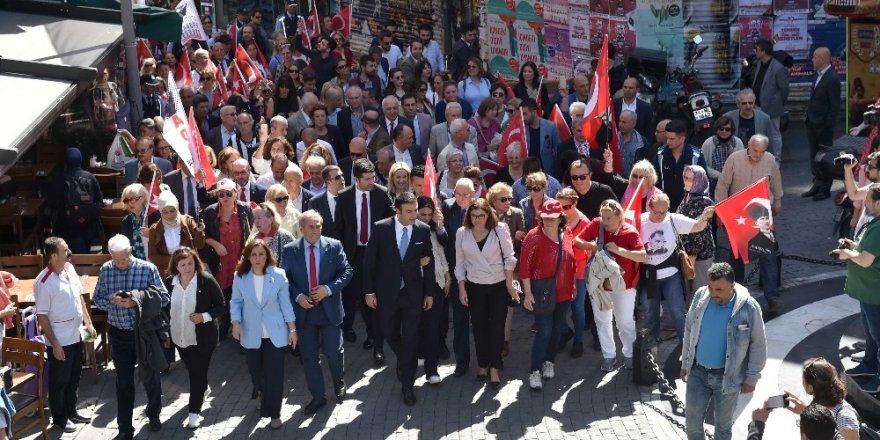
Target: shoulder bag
[
  {"x": 686, "y": 260},
  {"x": 544, "y": 290},
  {"x": 511, "y": 301}
]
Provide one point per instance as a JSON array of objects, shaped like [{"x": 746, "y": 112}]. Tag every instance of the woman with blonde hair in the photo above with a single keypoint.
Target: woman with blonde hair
[
  {"x": 279, "y": 198},
  {"x": 316, "y": 149},
  {"x": 398, "y": 179},
  {"x": 500, "y": 198},
  {"x": 135, "y": 199},
  {"x": 536, "y": 184}
]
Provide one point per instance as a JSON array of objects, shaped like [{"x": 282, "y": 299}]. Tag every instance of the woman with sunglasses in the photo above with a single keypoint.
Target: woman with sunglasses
[
  {"x": 474, "y": 87},
  {"x": 174, "y": 231},
  {"x": 575, "y": 223},
  {"x": 485, "y": 122},
  {"x": 396, "y": 84},
  {"x": 286, "y": 101},
  {"x": 279, "y": 198},
  {"x": 500, "y": 198},
  {"x": 821, "y": 380},
  {"x": 530, "y": 86},
  {"x": 343, "y": 51},
  {"x": 227, "y": 228},
  {"x": 423, "y": 103},
  {"x": 536, "y": 185},
  {"x": 499, "y": 95},
  {"x": 135, "y": 199},
  {"x": 196, "y": 304},
  {"x": 207, "y": 80},
  {"x": 267, "y": 227},
  {"x": 343, "y": 74},
  {"x": 720, "y": 146}
]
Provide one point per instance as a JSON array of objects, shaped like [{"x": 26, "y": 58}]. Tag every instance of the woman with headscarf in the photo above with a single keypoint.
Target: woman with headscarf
[
  {"x": 176, "y": 230},
  {"x": 78, "y": 204},
  {"x": 699, "y": 244}
]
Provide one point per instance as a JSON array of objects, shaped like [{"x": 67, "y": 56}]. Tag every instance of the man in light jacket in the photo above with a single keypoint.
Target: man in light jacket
[
  {"x": 751, "y": 121},
  {"x": 770, "y": 82},
  {"x": 724, "y": 350}
]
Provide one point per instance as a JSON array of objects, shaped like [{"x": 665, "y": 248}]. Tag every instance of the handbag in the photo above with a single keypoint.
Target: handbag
[
  {"x": 511, "y": 301},
  {"x": 544, "y": 290},
  {"x": 686, "y": 260}
]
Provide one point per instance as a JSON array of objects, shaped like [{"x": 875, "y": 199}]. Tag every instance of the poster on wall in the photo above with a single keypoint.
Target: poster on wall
[
  {"x": 659, "y": 25},
  {"x": 515, "y": 35},
  {"x": 754, "y": 7},
  {"x": 790, "y": 34},
  {"x": 615, "y": 8},
  {"x": 752, "y": 29},
  {"x": 579, "y": 34},
  {"x": 557, "y": 39},
  {"x": 790, "y": 5},
  {"x": 863, "y": 66}
]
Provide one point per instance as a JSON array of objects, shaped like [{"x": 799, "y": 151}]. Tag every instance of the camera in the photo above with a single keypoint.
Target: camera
[
  {"x": 841, "y": 245},
  {"x": 872, "y": 115},
  {"x": 844, "y": 159}
]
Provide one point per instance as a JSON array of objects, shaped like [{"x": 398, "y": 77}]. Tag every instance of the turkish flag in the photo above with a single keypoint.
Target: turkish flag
[
  {"x": 232, "y": 31},
  {"x": 488, "y": 169},
  {"x": 599, "y": 115},
  {"x": 221, "y": 93},
  {"x": 746, "y": 215},
  {"x": 633, "y": 212},
  {"x": 515, "y": 132},
  {"x": 183, "y": 72},
  {"x": 561, "y": 125},
  {"x": 247, "y": 67},
  {"x": 155, "y": 189},
  {"x": 506, "y": 86},
  {"x": 345, "y": 16},
  {"x": 313, "y": 23},
  {"x": 200, "y": 158},
  {"x": 429, "y": 182},
  {"x": 143, "y": 51}
]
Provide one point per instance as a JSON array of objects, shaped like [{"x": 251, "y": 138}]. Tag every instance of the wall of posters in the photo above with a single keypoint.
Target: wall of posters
[
  {"x": 790, "y": 34},
  {"x": 863, "y": 65}
]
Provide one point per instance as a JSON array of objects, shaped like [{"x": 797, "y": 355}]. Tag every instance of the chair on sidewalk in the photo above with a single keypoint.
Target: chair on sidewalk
[
  {"x": 22, "y": 353},
  {"x": 99, "y": 321}
]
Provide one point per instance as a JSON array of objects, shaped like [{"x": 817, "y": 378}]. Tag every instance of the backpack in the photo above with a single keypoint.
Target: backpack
[{"x": 80, "y": 208}]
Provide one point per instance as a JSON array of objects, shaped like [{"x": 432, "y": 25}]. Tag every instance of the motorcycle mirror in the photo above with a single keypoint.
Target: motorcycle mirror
[{"x": 697, "y": 39}]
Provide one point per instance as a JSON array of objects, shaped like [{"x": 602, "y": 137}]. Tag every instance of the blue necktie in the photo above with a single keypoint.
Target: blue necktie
[{"x": 404, "y": 243}]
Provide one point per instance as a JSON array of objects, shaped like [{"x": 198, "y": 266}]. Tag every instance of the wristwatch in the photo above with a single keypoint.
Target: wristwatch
[{"x": 292, "y": 331}]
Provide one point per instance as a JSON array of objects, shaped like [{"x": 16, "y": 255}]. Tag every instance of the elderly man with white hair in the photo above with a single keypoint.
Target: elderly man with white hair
[
  {"x": 299, "y": 196},
  {"x": 314, "y": 165},
  {"x": 629, "y": 138},
  {"x": 459, "y": 141},
  {"x": 441, "y": 133},
  {"x": 391, "y": 109},
  {"x": 121, "y": 281},
  {"x": 298, "y": 121}
]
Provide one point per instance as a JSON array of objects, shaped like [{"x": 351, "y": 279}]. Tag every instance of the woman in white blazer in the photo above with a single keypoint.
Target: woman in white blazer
[{"x": 263, "y": 320}]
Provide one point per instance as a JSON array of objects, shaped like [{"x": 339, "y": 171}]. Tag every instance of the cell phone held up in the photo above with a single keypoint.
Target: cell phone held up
[{"x": 780, "y": 401}]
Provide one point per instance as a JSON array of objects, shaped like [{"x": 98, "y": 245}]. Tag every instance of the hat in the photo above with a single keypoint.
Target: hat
[
  {"x": 226, "y": 185},
  {"x": 291, "y": 3},
  {"x": 551, "y": 209},
  {"x": 241, "y": 10},
  {"x": 167, "y": 198},
  {"x": 149, "y": 80}
]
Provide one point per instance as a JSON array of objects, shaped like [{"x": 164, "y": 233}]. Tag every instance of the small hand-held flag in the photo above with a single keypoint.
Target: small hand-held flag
[
  {"x": 153, "y": 203},
  {"x": 183, "y": 72},
  {"x": 633, "y": 212},
  {"x": 429, "y": 182},
  {"x": 557, "y": 119}
]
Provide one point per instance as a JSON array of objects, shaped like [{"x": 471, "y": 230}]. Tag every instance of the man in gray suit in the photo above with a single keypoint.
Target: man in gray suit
[
  {"x": 770, "y": 82},
  {"x": 421, "y": 122},
  {"x": 751, "y": 121},
  {"x": 298, "y": 121},
  {"x": 221, "y": 136},
  {"x": 441, "y": 134}
]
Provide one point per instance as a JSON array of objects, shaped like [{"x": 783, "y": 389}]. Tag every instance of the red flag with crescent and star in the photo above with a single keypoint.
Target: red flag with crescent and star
[{"x": 748, "y": 218}]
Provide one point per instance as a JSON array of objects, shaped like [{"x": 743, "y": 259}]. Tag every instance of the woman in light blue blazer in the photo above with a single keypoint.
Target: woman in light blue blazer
[{"x": 263, "y": 320}]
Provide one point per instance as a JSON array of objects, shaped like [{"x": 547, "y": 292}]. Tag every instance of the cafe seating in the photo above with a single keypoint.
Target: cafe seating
[
  {"x": 15, "y": 236},
  {"x": 22, "y": 353},
  {"x": 111, "y": 218},
  {"x": 88, "y": 264},
  {"x": 99, "y": 321},
  {"x": 110, "y": 180},
  {"x": 23, "y": 266}
]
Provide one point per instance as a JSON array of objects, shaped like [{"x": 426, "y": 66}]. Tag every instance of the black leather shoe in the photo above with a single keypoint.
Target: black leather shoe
[
  {"x": 350, "y": 336},
  {"x": 314, "y": 406},
  {"x": 460, "y": 370},
  {"x": 155, "y": 424},
  {"x": 368, "y": 344},
  {"x": 78, "y": 418},
  {"x": 379, "y": 357},
  {"x": 567, "y": 336},
  {"x": 811, "y": 192},
  {"x": 821, "y": 195},
  {"x": 577, "y": 349},
  {"x": 124, "y": 436},
  {"x": 409, "y": 397},
  {"x": 444, "y": 352},
  {"x": 340, "y": 390}
]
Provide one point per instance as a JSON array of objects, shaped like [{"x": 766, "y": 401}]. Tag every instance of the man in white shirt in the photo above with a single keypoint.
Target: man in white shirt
[
  {"x": 431, "y": 50},
  {"x": 390, "y": 51},
  {"x": 221, "y": 136},
  {"x": 299, "y": 197},
  {"x": 325, "y": 203},
  {"x": 60, "y": 306},
  {"x": 276, "y": 172}
]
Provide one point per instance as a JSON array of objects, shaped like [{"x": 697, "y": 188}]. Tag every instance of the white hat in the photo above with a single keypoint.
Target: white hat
[{"x": 167, "y": 198}]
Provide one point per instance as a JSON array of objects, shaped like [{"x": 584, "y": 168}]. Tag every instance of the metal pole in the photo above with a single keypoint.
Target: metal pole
[{"x": 132, "y": 69}]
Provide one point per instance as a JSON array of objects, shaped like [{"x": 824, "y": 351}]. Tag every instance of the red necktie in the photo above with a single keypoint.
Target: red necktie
[
  {"x": 241, "y": 195},
  {"x": 313, "y": 269},
  {"x": 365, "y": 214}
]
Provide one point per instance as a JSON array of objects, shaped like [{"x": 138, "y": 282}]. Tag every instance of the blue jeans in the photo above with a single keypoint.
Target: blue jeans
[
  {"x": 550, "y": 329},
  {"x": 670, "y": 289},
  {"x": 871, "y": 322},
  {"x": 704, "y": 386},
  {"x": 578, "y": 312},
  {"x": 124, "y": 359}
]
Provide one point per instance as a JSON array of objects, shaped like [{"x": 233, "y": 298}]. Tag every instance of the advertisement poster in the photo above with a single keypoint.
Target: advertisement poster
[
  {"x": 622, "y": 36},
  {"x": 557, "y": 39},
  {"x": 615, "y": 8},
  {"x": 791, "y": 5},
  {"x": 659, "y": 25},
  {"x": 515, "y": 35},
  {"x": 790, "y": 34},
  {"x": 863, "y": 66},
  {"x": 754, "y": 7},
  {"x": 579, "y": 33},
  {"x": 752, "y": 29}
]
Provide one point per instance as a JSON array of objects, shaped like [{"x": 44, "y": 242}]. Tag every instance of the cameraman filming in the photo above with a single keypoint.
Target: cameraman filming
[
  {"x": 862, "y": 277},
  {"x": 859, "y": 194}
]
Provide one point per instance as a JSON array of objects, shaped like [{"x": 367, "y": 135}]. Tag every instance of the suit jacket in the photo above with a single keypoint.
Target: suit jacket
[
  {"x": 763, "y": 125},
  {"x": 439, "y": 139},
  {"x": 347, "y": 224},
  {"x": 415, "y": 154},
  {"x": 214, "y": 138},
  {"x": 209, "y": 299},
  {"x": 644, "y": 116},
  {"x": 257, "y": 193},
  {"x": 131, "y": 168},
  {"x": 400, "y": 120},
  {"x": 423, "y": 137},
  {"x": 295, "y": 125},
  {"x": 274, "y": 312},
  {"x": 824, "y": 101},
  {"x": 307, "y": 197},
  {"x": 384, "y": 268},
  {"x": 333, "y": 272},
  {"x": 549, "y": 140},
  {"x": 343, "y": 121},
  {"x": 379, "y": 140},
  {"x": 322, "y": 205},
  {"x": 345, "y": 164},
  {"x": 174, "y": 180},
  {"x": 453, "y": 218},
  {"x": 774, "y": 89}
]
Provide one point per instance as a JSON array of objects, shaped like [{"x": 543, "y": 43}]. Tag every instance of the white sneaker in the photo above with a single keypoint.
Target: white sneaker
[
  {"x": 193, "y": 421},
  {"x": 547, "y": 370},
  {"x": 535, "y": 380},
  {"x": 434, "y": 380}
]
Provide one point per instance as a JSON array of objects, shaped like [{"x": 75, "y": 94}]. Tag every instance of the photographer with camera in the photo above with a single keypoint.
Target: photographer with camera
[
  {"x": 816, "y": 423},
  {"x": 863, "y": 274},
  {"x": 857, "y": 193}
]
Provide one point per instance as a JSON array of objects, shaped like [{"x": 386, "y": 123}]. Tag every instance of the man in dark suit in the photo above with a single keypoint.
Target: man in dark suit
[
  {"x": 398, "y": 286},
  {"x": 249, "y": 190},
  {"x": 391, "y": 115},
  {"x": 222, "y": 135},
  {"x": 191, "y": 195},
  {"x": 464, "y": 48},
  {"x": 358, "y": 208},
  {"x": 325, "y": 203},
  {"x": 821, "y": 118},
  {"x": 318, "y": 271},
  {"x": 350, "y": 120},
  {"x": 403, "y": 148},
  {"x": 375, "y": 134},
  {"x": 421, "y": 122},
  {"x": 144, "y": 151},
  {"x": 643, "y": 111},
  {"x": 453, "y": 218},
  {"x": 357, "y": 149}
]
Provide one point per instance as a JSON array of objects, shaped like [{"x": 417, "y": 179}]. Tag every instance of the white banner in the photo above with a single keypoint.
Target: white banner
[
  {"x": 176, "y": 128},
  {"x": 192, "y": 25}
]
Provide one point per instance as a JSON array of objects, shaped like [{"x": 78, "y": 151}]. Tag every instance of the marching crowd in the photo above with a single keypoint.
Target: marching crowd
[{"x": 354, "y": 187}]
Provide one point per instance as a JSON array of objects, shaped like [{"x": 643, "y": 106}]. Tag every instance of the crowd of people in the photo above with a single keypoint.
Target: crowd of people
[{"x": 322, "y": 213}]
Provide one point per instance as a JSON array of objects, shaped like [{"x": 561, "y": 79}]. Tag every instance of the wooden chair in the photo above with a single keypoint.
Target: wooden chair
[
  {"x": 99, "y": 321},
  {"x": 14, "y": 236},
  {"x": 22, "y": 353},
  {"x": 89, "y": 264},
  {"x": 108, "y": 179},
  {"x": 23, "y": 266},
  {"x": 111, "y": 218}
]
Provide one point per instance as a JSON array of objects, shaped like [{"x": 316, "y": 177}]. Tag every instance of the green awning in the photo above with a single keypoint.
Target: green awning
[{"x": 163, "y": 25}]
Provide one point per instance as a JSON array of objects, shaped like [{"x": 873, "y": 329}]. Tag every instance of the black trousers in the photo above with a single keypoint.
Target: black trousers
[
  {"x": 430, "y": 332},
  {"x": 400, "y": 324},
  {"x": 266, "y": 365},
  {"x": 197, "y": 360},
  {"x": 353, "y": 299},
  {"x": 225, "y": 320},
  {"x": 64, "y": 382},
  {"x": 488, "y": 307},
  {"x": 818, "y": 136}
]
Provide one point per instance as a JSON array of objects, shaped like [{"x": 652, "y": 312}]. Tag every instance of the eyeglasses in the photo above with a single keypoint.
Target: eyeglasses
[
  {"x": 281, "y": 199},
  {"x": 567, "y": 207},
  {"x": 267, "y": 91},
  {"x": 728, "y": 129},
  {"x": 341, "y": 67},
  {"x": 576, "y": 177},
  {"x": 536, "y": 188},
  {"x": 478, "y": 216},
  {"x": 224, "y": 194},
  {"x": 659, "y": 213},
  {"x": 505, "y": 199},
  {"x": 636, "y": 176},
  {"x": 131, "y": 199},
  {"x": 294, "y": 70}
]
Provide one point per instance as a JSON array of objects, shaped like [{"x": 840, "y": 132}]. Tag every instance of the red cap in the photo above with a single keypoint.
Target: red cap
[{"x": 551, "y": 209}]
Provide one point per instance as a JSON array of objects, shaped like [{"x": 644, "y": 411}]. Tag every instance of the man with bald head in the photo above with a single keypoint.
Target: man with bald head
[
  {"x": 629, "y": 138},
  {"x": 821, "y": 118},
  {"x": 649, "y": 151},
  {"x": 221, "y": 136},
  {"x": 629, "y": 101},
  {"x": 581, "y": 85},
  {"x": 300, "y": 120},
  {"x": 350, "y": 119},
  {"x": 357, "y": 149}
]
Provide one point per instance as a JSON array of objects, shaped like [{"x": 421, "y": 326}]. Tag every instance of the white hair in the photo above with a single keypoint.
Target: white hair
[
  {"x": 118, "y": 243},
  {"x": 391, "y": 99},
  {"x": 452, "y": 106},
  {"x": 631, "y": 113},
  {"x": 315, "y": 160},
  {"x": 575, "y": 106},
  {"x": 310, "y": 214},
  {"x": 465, "y": 182},
  {"x": 513, "y": 147},
  {"x": 457, "y": 124}
]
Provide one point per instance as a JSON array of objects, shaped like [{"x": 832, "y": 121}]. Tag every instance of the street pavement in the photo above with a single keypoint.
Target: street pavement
[{"x": 580, "y": 402}]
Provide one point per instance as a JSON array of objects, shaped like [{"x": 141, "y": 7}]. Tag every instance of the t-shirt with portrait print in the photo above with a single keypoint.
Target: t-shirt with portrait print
[{"x": 659, "y": 239}]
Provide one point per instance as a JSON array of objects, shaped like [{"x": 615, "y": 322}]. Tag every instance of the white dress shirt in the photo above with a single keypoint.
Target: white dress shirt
[
  {"x": 403, "y": 156},
  {"x": 393, "y": 55},
  {"x": 226, "y": 135},
  {"x": 258, "y": 291},
  {"x": 331, "y": 202},
  {"x": 308, "y": 251},
  {"x": 631, "y": 106},
  {"x": 183, "y": 304}
]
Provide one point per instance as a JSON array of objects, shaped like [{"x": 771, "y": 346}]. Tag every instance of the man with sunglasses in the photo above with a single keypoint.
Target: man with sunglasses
[
  {"x": 750, "y": 120},
  {"x": 357, "y": 149},
  {"x": 144, "y": 151},
  {"x": 590, "y": 194},
  {"x": 325, "y": 203}
]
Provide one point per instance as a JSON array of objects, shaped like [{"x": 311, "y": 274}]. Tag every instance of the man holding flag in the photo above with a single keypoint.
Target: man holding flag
[{"x": 748, "y": 195}]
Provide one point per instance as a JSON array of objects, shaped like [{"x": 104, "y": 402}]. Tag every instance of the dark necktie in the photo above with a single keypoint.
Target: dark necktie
[
  {"x": 191, "y": 197},
  {"x": 365, "y": 214}
]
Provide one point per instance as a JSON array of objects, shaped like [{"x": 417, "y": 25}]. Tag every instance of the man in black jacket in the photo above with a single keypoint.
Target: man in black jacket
[
  {"x": 464, "y": 48},
  {"x": 821, "y": 118}
]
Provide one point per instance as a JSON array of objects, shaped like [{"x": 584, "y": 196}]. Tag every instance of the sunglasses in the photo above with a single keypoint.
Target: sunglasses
[
  {"x": 725, "y": 128},
  {"x": 341, "y": 67},
  {"x": 281, "y": 199},
  {"x": 267, "y": 91},
  {"x": 356, "y": 155},
  {"x": 131, "y": 199},
  {"x": 337, "y": 177},
  {"x": 511, "y": 110},
  {"x": 224, "y": 194},
  {"x": 472, "y": 66},
  {"x": 576, "y": 177},
  {"x": 536, "y": 188},
  {"x": 294, "y": 71},
  {"x": 566, "y": 207},
  {"x": 505, "y": 199}
]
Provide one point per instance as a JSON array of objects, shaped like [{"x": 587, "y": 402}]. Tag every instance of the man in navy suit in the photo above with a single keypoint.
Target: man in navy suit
[
  {"x": 318, "y": 271},
  {"x": 144, "y": 152},
  {"x": 249, "y": 190},
  {"x": 821, "y": 118},
  {"x": 398, "y": 285},
  {"x": 325, "y": 203},
  {"x": 642, "y": 109},
  {"x": 358, "y": 208}
]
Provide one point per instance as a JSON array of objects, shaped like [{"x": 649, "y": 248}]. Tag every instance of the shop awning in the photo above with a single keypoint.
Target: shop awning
[
  {"x": 52, "y": 45},
  {"x": 162, "y": 24}
]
